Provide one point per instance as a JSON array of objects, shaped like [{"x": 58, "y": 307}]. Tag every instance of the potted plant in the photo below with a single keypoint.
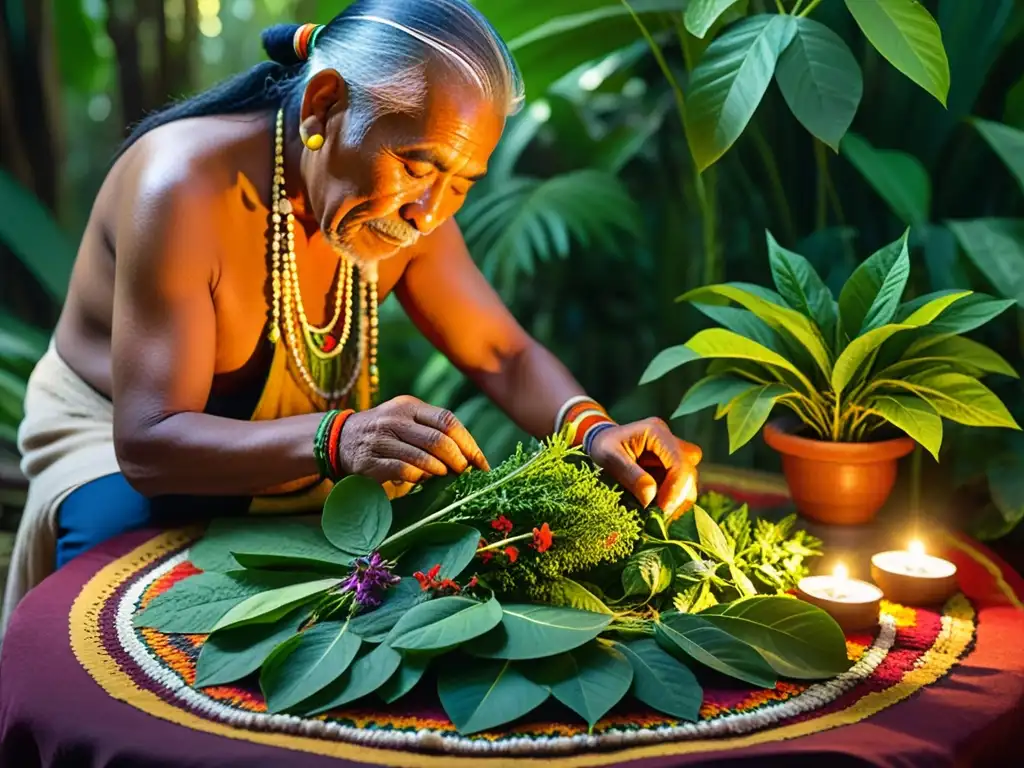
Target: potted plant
[{"x": 862, "y": 377}]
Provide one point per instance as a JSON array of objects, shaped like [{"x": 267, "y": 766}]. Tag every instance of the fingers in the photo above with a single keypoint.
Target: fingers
[
  {"x": 691, "y": 453},
  {"x": 631, "y": 476},
  {"x": 412, "y": 455},
  {"x": 394, "y": 470},
  {"x": 678, "y": 488},
  {"x": 444, "y": 421},
  {"x": 435, "y": 443}
]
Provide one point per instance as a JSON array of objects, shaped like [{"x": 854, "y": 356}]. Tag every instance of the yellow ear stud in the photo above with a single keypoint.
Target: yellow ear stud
[{"x": 314, "y": 142}]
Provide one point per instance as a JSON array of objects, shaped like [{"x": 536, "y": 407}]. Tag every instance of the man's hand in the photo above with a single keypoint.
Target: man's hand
[
  {"x": 406, "y": 440},
  {"x": 634, "y": 454}
]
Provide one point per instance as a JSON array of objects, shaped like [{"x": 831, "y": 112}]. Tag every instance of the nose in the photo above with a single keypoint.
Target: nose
[{"x": 425, "y": 213}]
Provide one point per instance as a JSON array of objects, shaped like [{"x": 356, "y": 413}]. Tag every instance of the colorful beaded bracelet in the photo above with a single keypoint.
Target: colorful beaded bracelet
[
  {"x": 326, "y": 442},
  {"x": 581, "y": 419}
]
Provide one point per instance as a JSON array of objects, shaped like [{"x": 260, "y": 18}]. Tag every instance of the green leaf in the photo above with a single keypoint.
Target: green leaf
[
  {"x": 702, "y": 14},
  {"x": 647, "y": 572},
  {"x": 667, "y": 360},
  {"x": 700, "y": 640},
  {"x": 571, "y": 594},
  {"x": 307, "y": 664},
  {"x": 780, "y": 318},
  {"x": 748, "y": 413},
  {"x": 367, "y": 674},
  {"x": 962, "y": 399},
  {"x": 711, "y": 536},
  {"x": 741, "y": 581},
  {"x": 262, "y": 541},
  {"x": 450, "y": 545},
  {"x": 661, "y": 681},
  {"x": 909, "y": 38},
  {"x": 857, "y": 300},
  {"x": 444, "y": 622},
  {"x": 729, "y": 82},
  {"x": 374, "y": 625},
  {"x": 529, "y": 631},
  {"x": 269, "y": 606},
  {"x": 1005, "y": 476},
  {"x": 996, "y": 246},
  {"x": 801, "y": 287},
  {"x": 712, "y": 390},
  {"x": 958, "y": 350},
  {"x": 741, "y": 321},
  {"x": 797, "y": 639},
  {"x": 914, "y": 416},
  {"x": 231, "y": 654},
  {"x": 357, "y": 515},
  {"x": 719, "y": 343},
  {"x": 485, "y": 694},
  {"x": 821, "y": 81},
  {"x": 969, "y": 314},
  {"x": 1008, "y": 143},
  {"x": 589, "y": 680},
  {"x": 196, "y": 604},
  {"x": 414, "y": 666},
  {"x": 899, "y": 178}
]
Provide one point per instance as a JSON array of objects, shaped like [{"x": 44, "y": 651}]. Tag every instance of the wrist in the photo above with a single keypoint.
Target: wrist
[
  {"x": 327, "y": 444},
  {"x": 581, "y": 419}
]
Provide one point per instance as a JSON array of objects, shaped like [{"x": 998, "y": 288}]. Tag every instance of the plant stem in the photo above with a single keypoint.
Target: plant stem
[
  {"x": 505, "y": 542},
  {"x": 814, "y": 4},
  {"x": 796, "y": 8},
  {"x": 778, "y": 4},
  {"x": 774, "y": 179},
  {"x": 821, "y": 209}
]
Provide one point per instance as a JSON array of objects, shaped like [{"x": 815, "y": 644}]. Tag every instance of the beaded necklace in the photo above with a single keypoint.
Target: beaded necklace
[{"x": 327, "y": 365}]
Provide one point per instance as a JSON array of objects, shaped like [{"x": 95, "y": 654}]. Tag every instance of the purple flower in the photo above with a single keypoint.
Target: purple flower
[{"x": 372, "y": 575}]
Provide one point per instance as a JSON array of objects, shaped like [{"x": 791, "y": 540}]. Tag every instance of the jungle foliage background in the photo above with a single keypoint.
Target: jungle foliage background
[{"x": 595, "y": 215}]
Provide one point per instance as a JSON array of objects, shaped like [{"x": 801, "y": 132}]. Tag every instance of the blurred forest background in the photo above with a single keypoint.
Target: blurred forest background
[{"x": 593, "y": 219}]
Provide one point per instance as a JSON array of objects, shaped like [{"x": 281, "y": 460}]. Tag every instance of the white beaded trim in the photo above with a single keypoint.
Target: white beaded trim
[{"x": 815, "y": 697}]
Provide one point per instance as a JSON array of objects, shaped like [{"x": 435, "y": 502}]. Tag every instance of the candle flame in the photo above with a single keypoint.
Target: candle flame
[
  {"x": 916, "y": 548},
  {"x": 841, "y": 573}
]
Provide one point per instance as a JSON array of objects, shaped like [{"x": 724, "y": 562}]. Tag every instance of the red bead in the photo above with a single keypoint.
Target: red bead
[{"x": 328, "y": 343}]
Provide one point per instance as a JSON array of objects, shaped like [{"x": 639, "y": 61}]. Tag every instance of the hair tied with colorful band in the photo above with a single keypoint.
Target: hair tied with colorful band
[{"x": 305, "y": 40}]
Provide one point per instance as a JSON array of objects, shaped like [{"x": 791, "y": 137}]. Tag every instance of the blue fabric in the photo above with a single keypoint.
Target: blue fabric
[{"x": 98, "y": 511}]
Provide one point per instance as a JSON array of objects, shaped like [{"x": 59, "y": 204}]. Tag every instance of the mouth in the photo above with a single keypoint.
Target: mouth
[{"x": 399, "y": 236}]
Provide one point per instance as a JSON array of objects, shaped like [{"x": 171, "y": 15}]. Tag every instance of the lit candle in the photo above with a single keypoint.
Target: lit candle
[
  {"x": 851, "y": 602},
  {"x": 912, "y": 576}
]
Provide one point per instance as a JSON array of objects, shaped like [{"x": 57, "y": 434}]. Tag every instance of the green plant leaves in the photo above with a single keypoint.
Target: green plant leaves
[
  {"x": 647, "y": 572},
  {"x": 958, "y": 350},
  {"x": 444, "y": 622},
  {"x": 711, "y": 536},
  {"x": 874, "y": 289},
  {"x": 729, "y": 82},
  {"x": 914, "y": 416},
  {"x": 373, "y": 626},
  {"x": 231, "y": 654},
  {"x": 271, "y": 605},
  {"x": 801, "y": 287},
  {"x": 702, "y": 641},
  {"x": 712, "y": 390},
  {"x": 969, "y": 313},
  {"x": 909, "y": 38},
  {"x": 741, "y": 321},
  {"x": 264, "y": 544},
  {"x": 701, "y": 15},
  {"x": 821, "y": 81},
  {"x": 962, "y": 399},
  {"x": 996, "y": 246},
  {"x": 366, "y": 675},
  {"x": 307, "y": 663},
  {"x": 357, "y": 515},
  {"x": 652, "y": 666},
  {"x": 668, "y": 360},
  {"x": 529, "y": 631},
  {"x": 589, "y": 680},
  {"x": 899, "y": 178},
  {"x": 487, "y": 694},
  {"x": 450, "y": 545},
  {"x": 797, "y": 639},
  {"x": 1008, "y": 143},
  {"x": 412, "y": 669},
  {"x": 571, "y": 594},
  {"x": 197, "y": 604},
  {"x": 749, "y": 411}
]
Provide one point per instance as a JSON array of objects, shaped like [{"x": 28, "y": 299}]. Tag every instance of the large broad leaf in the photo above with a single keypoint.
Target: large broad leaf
[
  {"x": 801, "y": 287},
  {"x": 196, "y": 604},
  {"x": 444, "y": 623},
  {"x": 589, "y": 680},
  {"x": 357, "y": 515},
  {"x": 712, "y": 390},
  {"x": 906, "y": 34},
  {"x": 1008, "y": 143},
  {"x": 414, "y": 666},
  {"x": 899, "y": 178},
  {"x": 272, "y": 543},
  {"x": 962, "y": 399},
  {"x": 666, "y": 361},
  {"x": 958, "y": 350},
  {"x": 661, "y": 681},
  {"x": 702, "y": 14},
  {"x": 367, "y": 674},
  {"x": 996, "y": 246},
  {"x": 711, "y": 535},
  {"x": 232, "y": 654},
  {"x": 860, "y": 297},
  {"x": 373, "y": 626},
  {"x": 729, "y": 82},
  {"x": 485, "y": 694},
  {"x": 748, "y": 413},
  {"x": 798, "y": 639},
  {"x": 307, "y": 664},
  {"x": 783, "y": 319},
  {"x": 450, "y": 545},
  {"x": 647, "y": 573},
  {"x": 702, "y": 641},
  {"x": 741, "y": 321},
  {"x": 529, "y": 631},
  {"x": 821, "y": 81},
  {"x": 969, "y": 313},
  {"x": 914, "y": 416},
  {"x": 571, "y": 594},
  {"x": 269, "y": 606}
]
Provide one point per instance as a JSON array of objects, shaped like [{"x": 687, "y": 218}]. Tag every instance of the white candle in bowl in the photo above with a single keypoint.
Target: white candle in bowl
[
  {"x": 912, "y": 576},
  {"x": 851, "y": 602}
]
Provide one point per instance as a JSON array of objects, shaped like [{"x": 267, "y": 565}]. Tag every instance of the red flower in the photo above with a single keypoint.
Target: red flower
[
  {"x": 328, "y": 343},
  {"x": 487, "y": 556},
  {"x": 542, "y": 538},
  {"x": 610, "y": 541},
  {"x": 472, "y": 583},
  {"x": 428, "y": 581},
  {"x": 502, "y": 524},
  {"x": 511, "y": 553},
  {"x": 449, "y": 584}
]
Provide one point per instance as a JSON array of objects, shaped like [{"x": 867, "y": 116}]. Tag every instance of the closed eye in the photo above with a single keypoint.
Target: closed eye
[{"x": 418, "y": 170}]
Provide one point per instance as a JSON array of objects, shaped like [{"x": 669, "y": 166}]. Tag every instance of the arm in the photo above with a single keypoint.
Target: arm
[{"x": 163, "y": 346}]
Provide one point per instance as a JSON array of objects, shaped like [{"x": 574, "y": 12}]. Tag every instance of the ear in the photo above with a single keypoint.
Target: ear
[{"x": 326, "y": 93}]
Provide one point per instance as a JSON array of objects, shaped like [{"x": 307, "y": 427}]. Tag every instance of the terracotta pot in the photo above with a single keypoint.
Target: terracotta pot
[{"x": 837, "y": 483}]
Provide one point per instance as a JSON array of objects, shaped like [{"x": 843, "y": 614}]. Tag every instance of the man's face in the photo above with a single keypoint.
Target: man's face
[{"x": 406, "y": 176}]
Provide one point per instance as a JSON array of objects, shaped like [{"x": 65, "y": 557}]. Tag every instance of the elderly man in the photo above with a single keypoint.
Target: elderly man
[{"x": 218, "y": 350}]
